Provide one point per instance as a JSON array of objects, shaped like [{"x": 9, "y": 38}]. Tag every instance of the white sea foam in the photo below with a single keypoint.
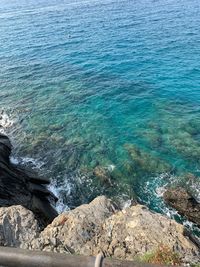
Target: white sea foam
[
  {"x": 36, "y": 164},
  {"x": 55, "y": 189},
  {"x": 5, "y": 121},
  {"x": 110, "y": 167},
  {"x": 160, "y": 190},
  {"x": 156, "y": 188},
  {"x": 24, "y": 161}
]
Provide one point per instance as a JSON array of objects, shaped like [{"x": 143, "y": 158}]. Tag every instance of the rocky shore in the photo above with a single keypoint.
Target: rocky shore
[
  {"x": 21, "y": 187},
  {"x": 98, "y": 227},
  {"x": 28, "y": 220}
]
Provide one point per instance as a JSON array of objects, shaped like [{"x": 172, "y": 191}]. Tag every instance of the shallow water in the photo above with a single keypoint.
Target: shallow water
[{"x": 104, "y": 95}]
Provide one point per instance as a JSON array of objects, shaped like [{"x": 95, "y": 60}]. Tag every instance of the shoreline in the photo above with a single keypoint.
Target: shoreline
[
  {"x": 43, "y": 186},
  {"x": 101, "y": 227},
  {"x": 32, "y": 195}
]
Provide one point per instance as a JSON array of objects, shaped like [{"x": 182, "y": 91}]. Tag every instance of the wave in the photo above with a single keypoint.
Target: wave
[
  {"x": 38, "y": 165},
  {"x": 5, "y": 121},
  {"x": 154, "y": 190},
  {"x": 56, "y": 190}
]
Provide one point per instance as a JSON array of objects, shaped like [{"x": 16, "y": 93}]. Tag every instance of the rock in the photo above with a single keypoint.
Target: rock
[
  {"x": 56, "y": 127},
  {"x": 184, "y": 203},
  {"x": 136, "y": 231},
  {"x": 143, "y": 162},
  {"x": 20, "y": 187},
  {"x": 103, "y": 174},
  {"x": 100, "y": 227},
  {"x": 71, "y": 230},
  {"x": 56, "y": 138},
  {"x": 17, "y": 226}
]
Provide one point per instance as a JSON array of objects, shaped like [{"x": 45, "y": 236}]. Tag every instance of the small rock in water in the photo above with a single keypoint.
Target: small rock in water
[
  {"x": 56, "y": 127},
  {"x": 103, "y": 174}
]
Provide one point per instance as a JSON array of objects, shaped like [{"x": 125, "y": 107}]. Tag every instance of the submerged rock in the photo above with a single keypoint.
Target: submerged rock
[
  {"x": 103, "y": 174},
  {"x": 20, "y": 187},
  {"x": 184, "y": 203},
  {"x": 143, "y": 162}
]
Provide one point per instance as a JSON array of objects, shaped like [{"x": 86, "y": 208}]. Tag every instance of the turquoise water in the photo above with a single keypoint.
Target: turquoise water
[{"x": 104, "y": 96}]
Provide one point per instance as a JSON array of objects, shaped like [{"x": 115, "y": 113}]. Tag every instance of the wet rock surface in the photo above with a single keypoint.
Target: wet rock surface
[
  {"x": 184, "y": 203},
  {"x": 20, "y": 187}
]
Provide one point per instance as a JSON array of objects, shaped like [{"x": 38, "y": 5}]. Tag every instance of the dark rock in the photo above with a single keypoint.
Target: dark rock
[
  {"x": 19, "y": 187},
  {"x": 184, "y": 203}
]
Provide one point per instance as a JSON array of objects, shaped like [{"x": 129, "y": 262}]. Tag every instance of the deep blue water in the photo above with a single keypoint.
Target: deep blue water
[{"x": 104, "y": 95}]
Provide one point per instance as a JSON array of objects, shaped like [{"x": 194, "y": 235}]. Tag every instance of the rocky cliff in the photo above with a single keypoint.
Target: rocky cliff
[
  {"x": 98, "y": 227},
  {"x": 19, "y": 187}
]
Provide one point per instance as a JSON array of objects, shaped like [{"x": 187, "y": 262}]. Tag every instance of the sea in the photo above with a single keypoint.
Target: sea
[{"x": 103, "y": 97}]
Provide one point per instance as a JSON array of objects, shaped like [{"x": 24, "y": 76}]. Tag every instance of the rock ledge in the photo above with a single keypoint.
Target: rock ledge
[{"x": 97, "y": 227}]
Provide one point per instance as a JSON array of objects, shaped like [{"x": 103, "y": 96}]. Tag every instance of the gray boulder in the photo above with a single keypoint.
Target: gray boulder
[
  {"x": 70, "y": 231},
  {"x": 18, "y": 226}
]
